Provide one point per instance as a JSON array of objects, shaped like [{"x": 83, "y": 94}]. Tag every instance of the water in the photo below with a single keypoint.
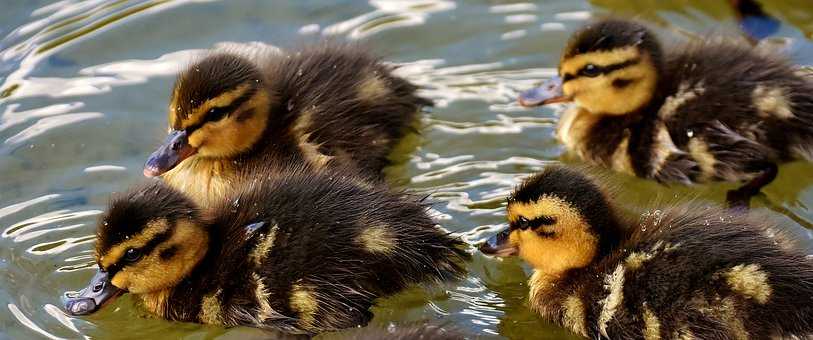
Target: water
[{"x": 85, "y": 86}]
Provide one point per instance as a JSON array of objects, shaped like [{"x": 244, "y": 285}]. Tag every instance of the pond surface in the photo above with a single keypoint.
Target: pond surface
[{"x": 84, "y": 89}]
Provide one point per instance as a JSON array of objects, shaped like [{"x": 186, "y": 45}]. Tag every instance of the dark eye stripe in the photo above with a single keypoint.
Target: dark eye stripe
[
  {"x": 534, "y": 223},
  {"x": 542, "y": 220},
  {"x": 568, "y": 77},
  {"x": 145, "y": 250},
  {"x": 603, "y": 69},
  {"x": 222, "y": 111}
]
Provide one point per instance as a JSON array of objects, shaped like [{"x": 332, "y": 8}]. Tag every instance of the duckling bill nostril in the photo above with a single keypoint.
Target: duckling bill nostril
[
  {"x": 81, "y": 306},
  {"x": 98, "y": 287}
]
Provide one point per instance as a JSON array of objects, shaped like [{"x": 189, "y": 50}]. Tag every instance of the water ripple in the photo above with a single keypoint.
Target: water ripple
[
  {"x": 23, "y": 231},
  {"x": 11, "y": 209},
  {"x": 28, "y": 323},
  {"x": 90, "y": 67},
  {"x": 389, "y": 14}
]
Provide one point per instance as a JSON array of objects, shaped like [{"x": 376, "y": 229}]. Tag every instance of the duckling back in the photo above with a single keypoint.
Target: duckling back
[
  {"x": 340, "y": 101},
  {"x": 711, "y": 110},
  {"x": 328, "y": 104},
  {"x": 308, "y": 252},
  {"x": 694, "y": 273},
  {"x": 738, "y": 106}
]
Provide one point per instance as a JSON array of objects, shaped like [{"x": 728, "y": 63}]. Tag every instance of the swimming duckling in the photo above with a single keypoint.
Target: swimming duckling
[
  {"x": 324, "y": 104},
  {"x": 706, "y": 111},
  {"x": 684, "y": 273},
  {"x": 296, "y": 252}
]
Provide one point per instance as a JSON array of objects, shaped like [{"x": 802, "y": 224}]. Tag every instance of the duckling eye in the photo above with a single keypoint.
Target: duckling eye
[
  {"x": 590, "y": 70},
  {"x": 523, "y": 223},
  {"x": 216, "y": 114},
  {"x": 132, "y": 255}
]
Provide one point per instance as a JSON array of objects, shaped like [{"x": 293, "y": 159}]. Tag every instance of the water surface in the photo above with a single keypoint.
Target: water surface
[{"x": 84, "y": 88}]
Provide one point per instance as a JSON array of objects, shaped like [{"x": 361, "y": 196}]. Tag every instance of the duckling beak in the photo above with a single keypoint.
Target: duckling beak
[
  {"x": 548, "y": 92},
  {"x": 90, "y": 299},
  {"x": 499, "y": 245},
  {"x": 175, "y": 149}
]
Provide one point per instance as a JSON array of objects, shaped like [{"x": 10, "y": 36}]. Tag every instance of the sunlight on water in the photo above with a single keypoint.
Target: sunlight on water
[{"x": 84, "y": 88}]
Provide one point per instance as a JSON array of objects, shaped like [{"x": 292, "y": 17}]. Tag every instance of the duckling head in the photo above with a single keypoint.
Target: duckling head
[
  {"x": 148, "y": 241},
  {"x": 219, "y": 108},
  {"x": 608, "y": 67},
  {"x": 557, "y": 220}
]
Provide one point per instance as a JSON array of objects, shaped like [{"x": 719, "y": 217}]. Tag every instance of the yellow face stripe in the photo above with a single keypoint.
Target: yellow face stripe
[
  {"x": 228, "y": 137},
  {"x": 152, "y": 273},
  {"x": 573, "y": 64},
  {"x": 600, "y": 95},
  {"x": 139, "y": 240},
  {"x": 198, "y": 114},
  {"x": 572, "y": 245}
]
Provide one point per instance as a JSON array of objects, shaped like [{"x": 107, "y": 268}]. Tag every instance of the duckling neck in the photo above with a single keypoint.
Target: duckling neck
[
  {"x": 544, "y": 287},
  {"x": 202, "y": 178}
]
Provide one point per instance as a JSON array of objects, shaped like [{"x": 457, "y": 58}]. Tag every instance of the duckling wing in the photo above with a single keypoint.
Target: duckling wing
[
  {"x": 723, "y": 153},
  {"x": 756, "y": 104},
  {"x": 707, "y": 274},
  {"x": 345, "y": 103}
]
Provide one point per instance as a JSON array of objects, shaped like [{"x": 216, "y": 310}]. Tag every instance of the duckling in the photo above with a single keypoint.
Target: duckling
[
  {"x": 682, "y": 273},
  {"x": 323, "y": 104},
  {"x": 298, "y": 252},
  {"x": 705, "y": 111},
  {"x": 753, "y": 21}
]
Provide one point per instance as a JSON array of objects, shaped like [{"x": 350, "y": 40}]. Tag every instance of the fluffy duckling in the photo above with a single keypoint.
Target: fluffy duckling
[
  {"x": 686, "y": 273},
  {"x": 296, "y": 252},
  {"x": 324, "y": 104},
  {"x": 705, "y": 111}
]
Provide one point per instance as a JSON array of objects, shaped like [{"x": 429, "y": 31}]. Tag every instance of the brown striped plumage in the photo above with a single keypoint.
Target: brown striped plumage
[
  {"x": 325, "y": 104},
  {"x": 298, "y": 251},
  {"x": 692, "y": 272},
  {"x": 703, "y": 111}
]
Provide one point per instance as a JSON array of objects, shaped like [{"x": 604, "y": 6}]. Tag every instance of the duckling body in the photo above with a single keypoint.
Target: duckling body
[
  {"x": 704, "y": 111},
  {"x": 299, "y": 252},
  {"x": 326, "y": 104},
  {"x": 681, "y": 273}
]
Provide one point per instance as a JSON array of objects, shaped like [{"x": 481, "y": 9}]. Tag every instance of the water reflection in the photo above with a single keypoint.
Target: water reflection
[
  {"x": 84, "y": 94},
  {"x": 388, "y": 14}
]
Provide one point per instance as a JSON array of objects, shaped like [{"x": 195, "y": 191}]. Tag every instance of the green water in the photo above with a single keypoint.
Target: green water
[{"x": 85, "y": 84}]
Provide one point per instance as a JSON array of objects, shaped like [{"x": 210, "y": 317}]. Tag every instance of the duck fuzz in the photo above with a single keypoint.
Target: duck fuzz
[
  {"x": 327, "y": 104},
  {"x": 689, "y": 272},
  {"x": 297, "y": 250},
  {"x": 709, "y": 110}
]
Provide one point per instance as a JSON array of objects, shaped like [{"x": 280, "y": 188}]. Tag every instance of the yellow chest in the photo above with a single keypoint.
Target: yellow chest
[
  {"x": 155, "y": 303},
  {"x": 573, "y": 131},
  {"x": 204, "y": 180}
]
